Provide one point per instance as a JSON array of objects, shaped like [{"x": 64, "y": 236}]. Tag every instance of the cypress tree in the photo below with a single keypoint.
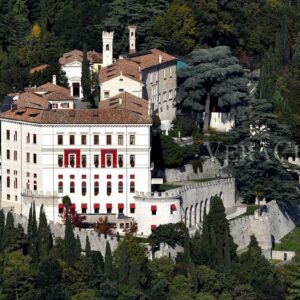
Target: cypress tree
[
  {"x": 69, "y": 243},
  {"x": 227, "y": 257},
  {"x": 34, "y": 247},
  {"x": 284, "y": 37},
  {"x": 85, "y": 75},
  {"x": 29, "y": 226},
  {"x": 124, "y": 266},
  {"x": 205, "y": 242},
  {"x": 9, "y": 230},
  {"x": 196, "y": 248},
  {"x": 88, "y": 250},
  {"x": 2, "y": 230},
  {"x": 43, "y": 234},
  {"x": 77, "y": 250},
  {"x": 187, "y": 248},
  {"x": 216, "y": 254},
  {"x": 108, "y": 268}
]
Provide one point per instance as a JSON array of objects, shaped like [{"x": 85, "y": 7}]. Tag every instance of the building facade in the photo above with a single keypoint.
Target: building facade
[{"x": 98, "y": 157}]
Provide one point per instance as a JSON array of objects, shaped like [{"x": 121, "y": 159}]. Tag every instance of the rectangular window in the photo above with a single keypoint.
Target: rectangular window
[
  {"x": 83, "y": 161},
  {"x": 108, "y": 160},
  {"x": 170, "y": 95},
  {"x": 8, "y": 196},
  {"x": 165, "y": 74},
  {"x": 34, "y": 138},
  {"x": 34, "y": 158},
  {"x": 106, "y": 94},
  {"x": 15, "y": 155},
  {"x": 170, "y": 72},
  {"x": 28, "y": 157},
  {"x": 96, "y": 139},
  {"x": 7, "y": 154},
  {"x": 121, "y": 90},
  {"x": 96, "y": 160},
  {"x": 120, "y": 161},
  {"x": 83, "y": 139},
  {"x": 15, "y": 136},
  {"x": 108, "y": 139},
  {"x": 132, "y": 160},
  {"x": 120, "y": 140},
  {"x": 8, "y": 135},
  {"x": 132, "y": 139},
  {"x": 60, "y": 160},
  {"x": 16, "y": 198},
  {"x": 28, "y": 138},
  {"x": 72, "y": 139},
  {"x": 60, "y": 139}
]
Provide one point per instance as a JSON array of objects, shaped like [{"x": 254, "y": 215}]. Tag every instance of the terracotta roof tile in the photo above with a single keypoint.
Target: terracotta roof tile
[
  {"x": 77, "y": 55},
  {"x": 78, "y": 116},
  {"x": 147, "y": 59},
  {"x": 126, "y": 101},
  {"x": 31, "y": 100},
  {"x": 125, "y": 67},
  {"x": 52, "y": 92},
  {"x": 38, "y": 69}
]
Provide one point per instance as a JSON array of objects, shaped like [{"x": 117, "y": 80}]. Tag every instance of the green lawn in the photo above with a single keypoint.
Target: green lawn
[{"x": 291, "y": 242}]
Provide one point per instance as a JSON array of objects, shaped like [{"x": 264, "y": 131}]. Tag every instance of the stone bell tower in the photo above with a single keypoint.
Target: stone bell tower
[
  {"x": 107, "y": 42},
  {"x": 132, "y": 31}
]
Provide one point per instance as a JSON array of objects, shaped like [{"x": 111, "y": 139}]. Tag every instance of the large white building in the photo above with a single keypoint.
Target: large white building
[{"x": 99, "y": 157}]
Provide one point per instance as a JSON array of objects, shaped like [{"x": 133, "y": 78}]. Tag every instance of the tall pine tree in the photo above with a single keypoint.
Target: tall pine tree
[
  {"x": 69, "y": 243},
  {"x": 108, "y": 266}
]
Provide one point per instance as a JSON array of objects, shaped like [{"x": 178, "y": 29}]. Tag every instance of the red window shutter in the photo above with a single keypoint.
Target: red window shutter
[
  {"x": 61, "y": 206},
  {"x": 132, "y": 176},
  {"x": 120, "y": 205},
  {"x": 84, "y": 205},
  {"x": 153, "y": 208},
  {"x": 60, "y": 176},
  {"x": 96, "y": 176},
  {"x": 72, "y": 206},
  {"x": 132, "y": 205},
  {"x": 96, "y": 205},
  {"x": 77, "y": 152},
  {"x": 108, "y": 205},
  {"x": 153, "y": 227},
  {"x": 120, "y": 177},
  {"x": 103, "y": 158},
  {"x": 114, "y": 153},
  {"x": 83, "y": 176},
  {"x": 173, "y": 207},
  {"x": 72, "y": 176},
  {"x": 108, "y": 176}
]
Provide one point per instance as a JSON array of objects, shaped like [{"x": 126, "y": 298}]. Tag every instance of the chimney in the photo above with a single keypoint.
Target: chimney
[
  {"x": 54, "y": 79},
  {"x": 160, "y": 59},
  {"x": 120, "y": 101},
  {"x": 132, "y": 30},
  {"x": 149, "y": 108},
  {"x": 107, "y": 43}
]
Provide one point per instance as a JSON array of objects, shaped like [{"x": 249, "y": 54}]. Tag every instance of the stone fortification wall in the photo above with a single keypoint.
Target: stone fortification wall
[
  {"x": 270, "y": 227},
  {"x": 98, "y": 242},
  {"x": 211, "y": 168}
]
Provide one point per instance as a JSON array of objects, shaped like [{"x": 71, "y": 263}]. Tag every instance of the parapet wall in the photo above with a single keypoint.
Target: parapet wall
[
  {"x": 268, "y": 228},
  {"x": 98, "y": 242}
]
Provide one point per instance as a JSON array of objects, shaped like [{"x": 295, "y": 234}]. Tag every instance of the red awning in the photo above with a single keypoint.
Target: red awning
[
  {"x": 72, "y": 206},
  {"x": 61, "y": 206},
  {"x": 108, "y": 205},
  {"x": 120, "y": 205},
  {"x": 83, "y": 205},
  {"x": 153, "y": 227},
  {"x": 132, "y": 205},
  {"x": 153, "y": 208},
  {"x": 173, "y": 207},
  {"x": 96, "y": 205}
]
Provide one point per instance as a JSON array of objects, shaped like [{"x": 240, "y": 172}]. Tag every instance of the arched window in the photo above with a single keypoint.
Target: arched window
[
  {"x": 72, "y": 187},
  {"x": 8, "y": 181},
  {"x": 96, "y": 188},
  {"x": 83, "y": 188},
  {"x": 107, "y": 47},
  {"x": 120, "y": 187},
  {"x": 108, "y": 188},
  {"x": 60, "y": 187},
  {"x": 35, "y": 186},
  {"x": 132, "y": 187}
]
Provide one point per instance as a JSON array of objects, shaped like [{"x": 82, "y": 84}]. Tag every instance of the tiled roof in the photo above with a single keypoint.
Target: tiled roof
[
  {"x": 52, "y": 92},
  {"x": 147, "y": 59},
  {"x": 77, "y": 55},
  {"x": 123, "y": 67},
  {"x": 38, "y": 69},
  {"x": 31, "y": 100},
  {"x": 126, "y": 101},
  {"x": 77, "y": 116}
]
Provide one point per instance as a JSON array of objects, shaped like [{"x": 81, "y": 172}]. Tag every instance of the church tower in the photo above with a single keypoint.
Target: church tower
[
  {"x": 132, "y": 30},
  {"x": 107, "y": 42}
]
